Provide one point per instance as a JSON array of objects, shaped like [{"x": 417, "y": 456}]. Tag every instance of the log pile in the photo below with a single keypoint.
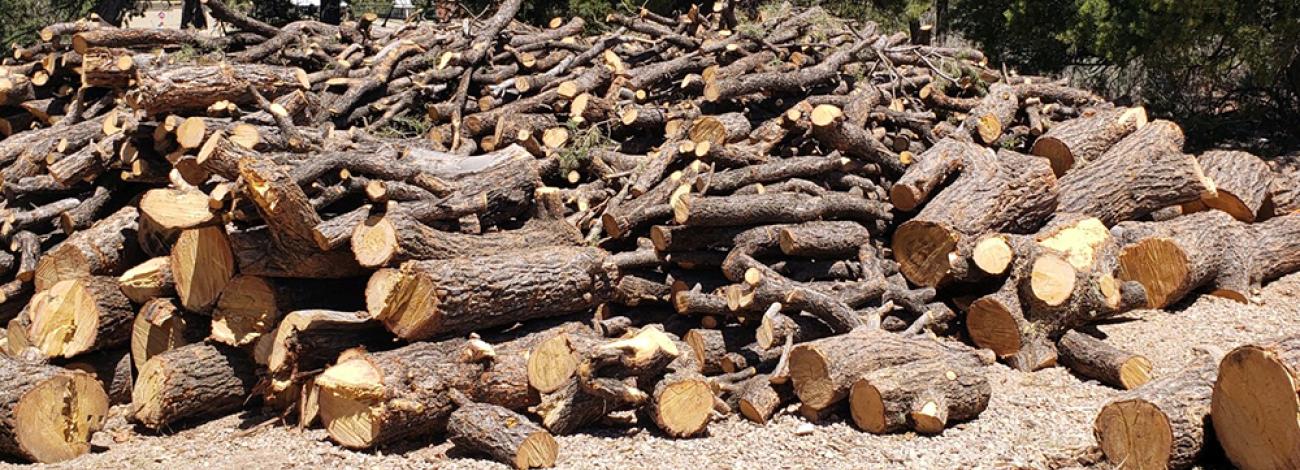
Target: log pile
[{"x": 505, "y": 232}]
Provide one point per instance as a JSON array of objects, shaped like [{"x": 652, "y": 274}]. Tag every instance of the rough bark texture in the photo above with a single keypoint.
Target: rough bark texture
[
  {"x": 181, "y": 88},
  {"x": 925, "y": 396},
  {"x": 201, "y": 379},
  {"x": 506, "y": 436},
  {"x": 1094, "y": 359},
  {"x": 1164, "y": 424},
  {"x": 1075, "y": 143},
  {"x": 1009, "y": 192},
  {"x": 32, "y": 389},
  {"x": 454, "y": 296},
  {"x": 1241, "y": 182},
  {"x": 1144, "y": 172},
  {"x": 103, "y": 249}
]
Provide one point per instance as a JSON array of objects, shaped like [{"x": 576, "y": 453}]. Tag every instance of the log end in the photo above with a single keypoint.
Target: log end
[
  {"x": 1159, "y": 265},
  {"x": 54, "y": 420},
  {"x": 923, "y": 250},
  {"x": 810, "y": 372},
  {"x": 374, "y": 242},
  {"x": 992, "y": 255},
  {"x": 904, "y": 197},
  {"x": 867, "y": 407},
  {"x": 1227, "y": 202},
  {"x": 1135, "y": 372},
  {"x": 539, "y": 450},
  {"x": 349, "y": 397},
  {"x": 202, "y": 263},
  {"x": 683, "y": 406},
  {"x": 992, "y": 325},
  {"x": 551, "y": 364},
  {"x": 1052, "y": 279},
  {"x": 1254, "y": 405},
  {"x": 247, "y": 310},
  {"x": 1135, "y": 432},
  {"x": 378, "y": 288},
  {"x": 1056, "y": 152},
  {"x": 64, "y": 320}
]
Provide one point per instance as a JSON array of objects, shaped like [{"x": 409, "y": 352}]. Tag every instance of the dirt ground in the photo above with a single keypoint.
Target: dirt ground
[{"x": 1035, "y": 420}]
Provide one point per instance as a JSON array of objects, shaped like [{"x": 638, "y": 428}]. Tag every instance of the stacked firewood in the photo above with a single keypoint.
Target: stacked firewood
[{"x": 505, "y": 232}]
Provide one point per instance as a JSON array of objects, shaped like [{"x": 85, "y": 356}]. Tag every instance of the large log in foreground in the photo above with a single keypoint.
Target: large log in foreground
[
  {"x": 1254, "y": 405},
  {"x": 39, "y": 399}
]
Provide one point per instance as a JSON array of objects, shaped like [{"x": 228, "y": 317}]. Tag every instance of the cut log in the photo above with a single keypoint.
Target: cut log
[
  {"x": 197, "y": 380},
  {"x": 78, "y": 316},
  {"x": 148, "y": 280},
  {"x": 103, "y": 249},
  {"x": 925, "y": 396},
  {"x": 1144, "y": 172},
  {"x": 1074, "y": 143},
  {"x": 1009, "y": 192},
  {"x": 39, "y": 399},
  {"x": 193, "y": 88},
  {"x": 368, "y": 399},
  {"x": 1241, "y": 183},
  {"x": 775, "y": 209},
  {"x": 113, "y": 370},
  {"x": 504, "y": 435},
  {"x": 824, "y": 370},
  {"x": 994, "y": 113},
  {"x": 930, "y": 170},
  {"x": 681, "y": 404},
  {"x": 1163, "y": 424},
  {"x": 554, "y": 360},
  {"x": 162, "y": 326},
  {"x": 1207, "y": 249},
  {"x": 1060, "y": 279},
  {"x": 1094, "y": 359},
  {"x": 174, "y": 209},
  {"x": 307, "y": 340},
  {"x": 396, "y": 237},
  {"x": 757, "y": 399},
  {"x": 440, "y": 297},
  {"x": 201, "y": 264},
  {"x": 1254, "y": 404}
]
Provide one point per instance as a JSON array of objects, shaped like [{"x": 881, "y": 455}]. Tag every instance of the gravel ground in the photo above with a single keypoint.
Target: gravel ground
[{"x": 1038, "y": 420}]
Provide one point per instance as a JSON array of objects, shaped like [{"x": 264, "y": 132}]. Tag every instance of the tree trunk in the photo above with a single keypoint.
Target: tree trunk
[
  {"x": 926, "y": 396},
  {"x": 1094, "y": 359},
  {"x": 504, "y": 435},
  {"x": 1075, "y": 143}
]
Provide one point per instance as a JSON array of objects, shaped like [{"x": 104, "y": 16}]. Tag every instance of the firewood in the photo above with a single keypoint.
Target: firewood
[
  {"x": 758, "y": 399},
  {"x": 1207, "y": 249},
  {"x": 397, "y": 237},
  {"x": 194, "y": 88},
  {"x": 103, "y": 248},
  {"x": 823, "y": 371},
  {"x": 251, "y": 306},
  {"x": 310, "y": 339},
  {"x": 1141, "y": 173},
  {"x": 162, "y": 326},
  {"x": 192, "y": 381},
  {"x": 1241, "y": 182},
  {"x": 358, "y": 394},
  {"x": 926, "y": 396},
  {"x": 201, "y": 265},
  {"x": 1172, "y": 413},
  {"x": 494, "y": 290},
  {"x": 710, "y": 345},
  {"x": 774, "y": 208},
  {"x": 1093, "y": 358},
  {"x": 79, "y": 315},
  {"x": 553, "y": 361},
  {"x": 173, "y": 209},
  {"x": 1249, "y": 404},
  {"x": 1077, "y": 142},
  {"x": 113, "y": 370},
  {"x": 506, "y": 436},
  {"x": 1008, "y": 192},
  {"x": 1059, "y": 279},
  {"x": 41, "y": 397}
]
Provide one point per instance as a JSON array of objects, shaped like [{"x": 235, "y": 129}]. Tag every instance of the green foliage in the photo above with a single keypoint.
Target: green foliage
[
  {"x": 404, "y": 126},
  {"x": 583, "y": 140},
  {"x": 20, "y": 20},
  {"x": 1213, "y": 64}
]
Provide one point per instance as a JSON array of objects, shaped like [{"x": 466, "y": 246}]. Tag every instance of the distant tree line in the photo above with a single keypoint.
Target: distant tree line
[{"x": 1229, "y": 70}]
